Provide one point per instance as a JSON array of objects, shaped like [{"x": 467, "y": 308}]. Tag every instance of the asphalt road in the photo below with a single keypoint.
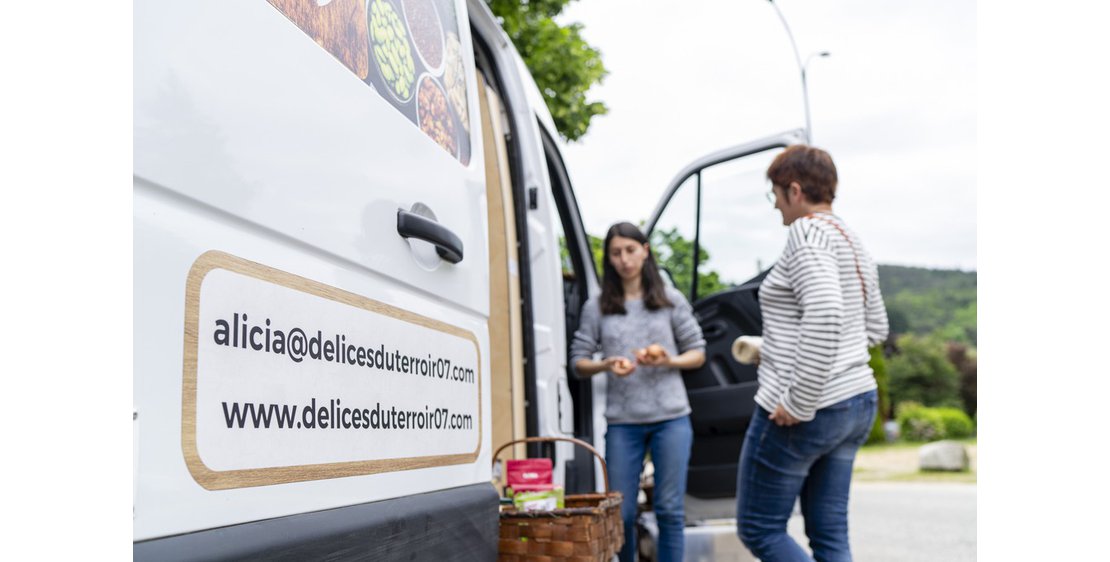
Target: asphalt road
[{"x": 888, "y": 522}]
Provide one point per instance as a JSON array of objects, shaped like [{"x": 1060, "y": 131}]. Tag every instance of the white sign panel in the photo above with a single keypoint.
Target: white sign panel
[{"x": 287, "y": 379}]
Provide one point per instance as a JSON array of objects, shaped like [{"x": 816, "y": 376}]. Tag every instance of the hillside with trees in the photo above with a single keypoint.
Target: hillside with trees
[{"x": 930, "y": 301}]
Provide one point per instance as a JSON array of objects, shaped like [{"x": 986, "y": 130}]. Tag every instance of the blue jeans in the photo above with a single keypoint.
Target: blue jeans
[
  {"x": 811, "y": 460},
  {"x": 669, "y": 442}
]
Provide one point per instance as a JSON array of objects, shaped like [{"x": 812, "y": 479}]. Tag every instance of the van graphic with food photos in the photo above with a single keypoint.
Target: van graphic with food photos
[{"x": 407, "y": 50}]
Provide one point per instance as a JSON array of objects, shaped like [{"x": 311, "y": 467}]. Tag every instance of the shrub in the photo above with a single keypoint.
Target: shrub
[
  {"x": 919, "y": 423},
  {"x": 956, "y": 423},
  {"x": 921, "y": 373}
]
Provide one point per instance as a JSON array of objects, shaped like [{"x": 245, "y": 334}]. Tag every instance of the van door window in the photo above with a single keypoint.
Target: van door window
[
  {"x": 672, "y": 240},
  {"x": 741, "y": 233}
]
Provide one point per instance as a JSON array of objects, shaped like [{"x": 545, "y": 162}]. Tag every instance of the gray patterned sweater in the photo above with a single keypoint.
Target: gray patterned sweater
[{"x": 649, "y": 394}]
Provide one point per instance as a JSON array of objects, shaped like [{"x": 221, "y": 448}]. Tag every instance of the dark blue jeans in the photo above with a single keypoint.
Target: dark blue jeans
[
  {"x": 811, "y": 461},
  {"x": 669, "y": 442}
]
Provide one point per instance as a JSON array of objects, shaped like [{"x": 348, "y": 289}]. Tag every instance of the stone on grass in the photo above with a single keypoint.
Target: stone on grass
[{"x": 948, "y": 456}]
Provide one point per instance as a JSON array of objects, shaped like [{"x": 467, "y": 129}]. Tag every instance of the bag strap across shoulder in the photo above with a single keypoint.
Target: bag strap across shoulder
[{"x": 855, "y": 254}]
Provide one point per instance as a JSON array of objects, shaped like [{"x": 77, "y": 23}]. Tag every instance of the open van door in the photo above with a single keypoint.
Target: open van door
[{"x": 717, "y": 235}]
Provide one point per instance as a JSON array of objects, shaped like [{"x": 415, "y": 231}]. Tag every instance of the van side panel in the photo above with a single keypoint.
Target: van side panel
[{"x": 253, "y": 141}]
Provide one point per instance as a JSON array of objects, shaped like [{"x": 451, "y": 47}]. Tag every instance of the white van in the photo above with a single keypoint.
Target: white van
[{"x": 358, "y": 258}]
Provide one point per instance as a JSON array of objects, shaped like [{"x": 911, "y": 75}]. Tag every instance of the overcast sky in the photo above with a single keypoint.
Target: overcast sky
[{"x": 894, "y": 105}]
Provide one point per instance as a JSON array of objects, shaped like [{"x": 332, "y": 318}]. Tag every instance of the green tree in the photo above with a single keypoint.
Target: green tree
[
  {"x": 964, "y": 323},
  {"x": 675, "y": 253},
  {"x": 597, "y": 247},
  {"x": 562, "y": 63},
  {"x": 921, "y": 373},
  {"x": 899, "y": 324}
]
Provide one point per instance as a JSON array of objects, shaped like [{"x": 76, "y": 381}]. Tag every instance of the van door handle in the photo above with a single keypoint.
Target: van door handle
[{"x": 412, "y": 225}]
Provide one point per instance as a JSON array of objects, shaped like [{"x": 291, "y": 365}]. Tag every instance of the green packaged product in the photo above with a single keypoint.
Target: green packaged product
[{"x": 539, "y": 500}]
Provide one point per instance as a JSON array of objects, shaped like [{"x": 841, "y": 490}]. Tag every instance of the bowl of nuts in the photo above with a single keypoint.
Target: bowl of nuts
[{"x": 434, "y": 116}]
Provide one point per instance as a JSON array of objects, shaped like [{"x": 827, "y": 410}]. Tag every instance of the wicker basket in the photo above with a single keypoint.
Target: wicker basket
[{"x": 587, "y": 529}]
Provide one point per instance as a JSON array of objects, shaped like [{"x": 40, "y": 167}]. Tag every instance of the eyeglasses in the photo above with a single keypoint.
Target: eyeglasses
[{"x": 772, "y": 196}]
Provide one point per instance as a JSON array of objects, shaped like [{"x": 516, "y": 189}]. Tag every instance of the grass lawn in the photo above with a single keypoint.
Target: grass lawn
[{"x": 897, "y": 462}]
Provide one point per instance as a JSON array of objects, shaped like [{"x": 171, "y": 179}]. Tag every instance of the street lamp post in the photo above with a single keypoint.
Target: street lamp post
[
  {"x": 801, "y": 68},
  {"x": 805, "y": 92}
]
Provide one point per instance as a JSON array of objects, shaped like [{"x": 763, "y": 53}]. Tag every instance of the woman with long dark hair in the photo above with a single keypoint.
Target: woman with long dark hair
[{"x": 647, "y": 334}]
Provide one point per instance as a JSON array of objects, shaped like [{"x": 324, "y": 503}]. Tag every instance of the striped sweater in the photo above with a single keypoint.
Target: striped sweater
[{"x": 816, "y": 325}]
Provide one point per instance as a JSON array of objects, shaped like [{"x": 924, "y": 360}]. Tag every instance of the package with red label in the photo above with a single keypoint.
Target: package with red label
[{"x": 526, "y": 475}]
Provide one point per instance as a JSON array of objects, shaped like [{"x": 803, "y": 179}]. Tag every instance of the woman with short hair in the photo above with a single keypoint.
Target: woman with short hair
[{"x": 817, "y": 397}]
